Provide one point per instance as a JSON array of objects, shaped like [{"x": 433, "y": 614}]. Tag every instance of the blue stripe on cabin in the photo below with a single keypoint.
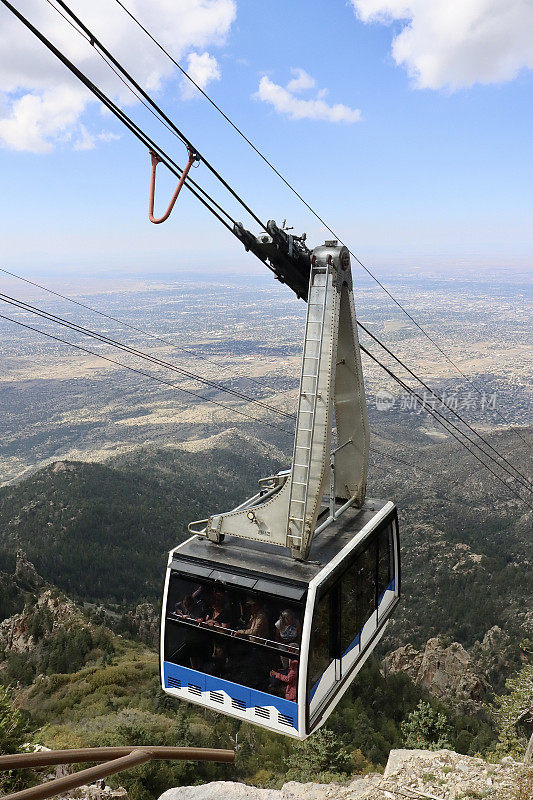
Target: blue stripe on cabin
[{"x": 250, "y": 697}]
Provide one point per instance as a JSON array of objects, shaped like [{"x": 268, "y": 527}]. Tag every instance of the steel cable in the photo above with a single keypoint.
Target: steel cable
[
  {"x": 138, "y": 353},
  {"x": 312, "y": 210},
  {"x": 442, "y": 420},
  {"x": 125, "y": 324},
  {"x": 145, "y": 374},
  {"x": 522, "y": 479}
]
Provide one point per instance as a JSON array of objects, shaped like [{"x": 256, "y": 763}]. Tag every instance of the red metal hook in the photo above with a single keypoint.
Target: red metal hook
[{"x": 155, "y": 161}]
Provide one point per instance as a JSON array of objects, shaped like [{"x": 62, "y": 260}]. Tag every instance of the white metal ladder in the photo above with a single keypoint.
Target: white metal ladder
[{"x": 302, "y": 457}]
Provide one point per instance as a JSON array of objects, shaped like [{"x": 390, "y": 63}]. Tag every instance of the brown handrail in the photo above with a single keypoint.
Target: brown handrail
[
  {"x": 155, "y": 161},
  {"x": 115, "y": 760}
]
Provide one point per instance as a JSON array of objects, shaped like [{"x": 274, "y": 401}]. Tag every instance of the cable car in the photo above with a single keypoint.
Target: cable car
[
  {"x": 271, "y": 608},
  {"x": 275, "y": 641}
]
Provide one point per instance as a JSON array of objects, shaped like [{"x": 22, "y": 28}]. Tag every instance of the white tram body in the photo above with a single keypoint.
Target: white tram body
[{"x": 340, "y": 600}]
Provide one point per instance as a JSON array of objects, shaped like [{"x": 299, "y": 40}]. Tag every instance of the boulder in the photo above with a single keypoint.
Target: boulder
[
  {"x": 220, "y": 790},
  {"x": 418, "y": 774},
  {"x": 227, "y": 790}
]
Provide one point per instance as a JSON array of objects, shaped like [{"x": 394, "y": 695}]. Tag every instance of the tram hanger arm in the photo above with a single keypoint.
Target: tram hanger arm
[{"x": 331, "y": 382}]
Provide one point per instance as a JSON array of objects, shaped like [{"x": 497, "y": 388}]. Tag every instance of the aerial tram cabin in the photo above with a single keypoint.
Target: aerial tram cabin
[
  {"x": 271, "y": 609},
  {"x": 311, "y": 624}
]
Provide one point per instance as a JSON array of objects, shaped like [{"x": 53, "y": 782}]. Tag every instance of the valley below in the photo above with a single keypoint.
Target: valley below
[{"x": 101, "y": 470}]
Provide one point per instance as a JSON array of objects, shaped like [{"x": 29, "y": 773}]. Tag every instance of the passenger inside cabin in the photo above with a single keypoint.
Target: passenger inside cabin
[
  {"x": 187, "y": 607},
  {"x": 219, "y": 615},
  {"x": 202, "y": 598},
  {"x": 290, "y": 680},
  {"x": 258, "y": 622},
  {"x": 287, "y": 631},
  {"x": 253, "y": 667}
]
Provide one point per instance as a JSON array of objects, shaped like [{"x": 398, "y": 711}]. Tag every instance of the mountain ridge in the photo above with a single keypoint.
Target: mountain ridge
[{"x": 101, "y": 531}]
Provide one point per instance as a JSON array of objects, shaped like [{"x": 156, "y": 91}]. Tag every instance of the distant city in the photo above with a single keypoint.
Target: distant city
[{"x": 245, "y": 333}]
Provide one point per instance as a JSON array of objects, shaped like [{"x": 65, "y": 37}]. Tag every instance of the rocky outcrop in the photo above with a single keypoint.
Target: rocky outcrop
[
  {"x": 449, "y": 672},
  {"x": 63, "y": 466},
  {"x": 145, "y": 621},
  {"x": 17, "y": 633},
  {"x": 25, "y": 573},
  {"x": 415, "y": 774},
  {"x": 491, "y": 656},
  {"x": 464, "y": 559},
  {"x": 445, "y": 672}
]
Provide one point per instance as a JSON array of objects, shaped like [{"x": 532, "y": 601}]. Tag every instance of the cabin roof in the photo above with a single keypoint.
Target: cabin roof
[{"x": 267, "y": 560}]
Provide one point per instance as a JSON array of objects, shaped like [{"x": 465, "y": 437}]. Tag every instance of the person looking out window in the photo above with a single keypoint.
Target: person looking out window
[{"x": 257, "y": 624}]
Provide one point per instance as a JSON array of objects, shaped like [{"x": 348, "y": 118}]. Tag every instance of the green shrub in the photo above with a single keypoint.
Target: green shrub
[
  {"x": 318, "y": 758},
  {"x": 427, "y": 729},
  {"x": 13, "y": 730}
]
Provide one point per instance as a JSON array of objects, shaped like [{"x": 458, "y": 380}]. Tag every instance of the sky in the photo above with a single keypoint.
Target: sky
[{"x": 405, "y": 123}]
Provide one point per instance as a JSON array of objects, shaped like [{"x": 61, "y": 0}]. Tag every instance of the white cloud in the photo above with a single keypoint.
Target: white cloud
[
  {"x": 108, "y": 136},
  {"x": 302, "y": 80},
  {"x": 37, "y": 119},
  {"x": 283, "y": 99},
  {"x": 42, "y": 104},
  {"x": 203, "y": 68},
  {"x": 457, "y": 43},
  {"x": 86, "y": 140}
]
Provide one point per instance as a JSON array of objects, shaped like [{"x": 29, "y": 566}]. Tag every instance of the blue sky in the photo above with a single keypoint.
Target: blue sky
[{"x": 435, "y": 175}]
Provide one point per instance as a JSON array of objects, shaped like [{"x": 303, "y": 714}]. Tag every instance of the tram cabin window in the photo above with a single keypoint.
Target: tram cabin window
[
  {"x": 246, "y": 638},
  {"x": 348, "y": 612}
]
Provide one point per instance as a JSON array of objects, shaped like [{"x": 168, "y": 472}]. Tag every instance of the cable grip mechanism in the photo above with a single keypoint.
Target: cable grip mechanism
[{"x": 155, "y": 161}]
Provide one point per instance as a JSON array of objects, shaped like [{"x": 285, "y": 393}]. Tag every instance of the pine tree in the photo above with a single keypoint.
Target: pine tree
[
  {"x": 514, "y": 709},
  {"x": 319, "y": 755},
  {"x": 426, "y": 729}
]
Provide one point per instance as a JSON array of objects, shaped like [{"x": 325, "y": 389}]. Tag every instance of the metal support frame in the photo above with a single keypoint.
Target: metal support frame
[
  {"x": 331, "y": 386},
  {"x": 115, "y": 760}
]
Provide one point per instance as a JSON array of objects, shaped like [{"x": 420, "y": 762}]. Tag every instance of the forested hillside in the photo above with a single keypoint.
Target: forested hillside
[{"x": 101, "y": 532}]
